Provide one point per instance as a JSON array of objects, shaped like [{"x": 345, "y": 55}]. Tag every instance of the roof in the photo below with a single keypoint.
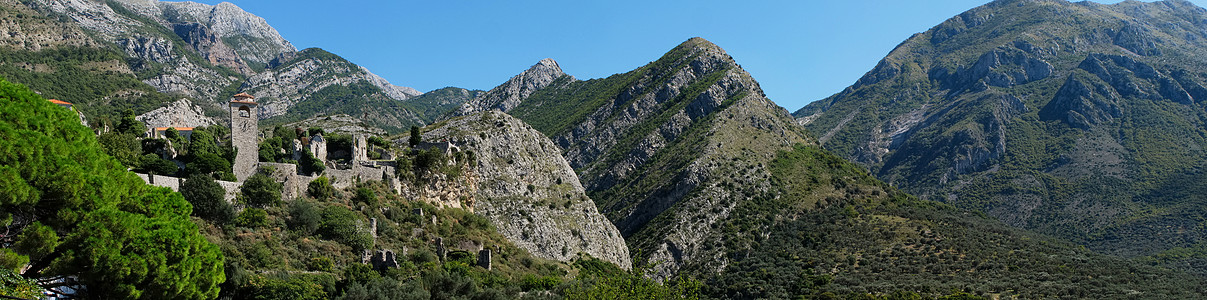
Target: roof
[
  {"x": 243, "y": 95},
  {"x": 177, "y": 128},
  {"x": 59, "y": 102}
]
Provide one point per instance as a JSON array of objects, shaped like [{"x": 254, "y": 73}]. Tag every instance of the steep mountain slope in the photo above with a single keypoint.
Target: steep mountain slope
[
  {"x": 706, "y": 177},
  {"x": 432, "y": 105},
  {"x": 1076, "y": 119},
  {"x": 506, "y": 96},
  {"x": 185, "y": 50},
  {"x": 313, "y": 82},
  {"x": 529, "y": 191}
]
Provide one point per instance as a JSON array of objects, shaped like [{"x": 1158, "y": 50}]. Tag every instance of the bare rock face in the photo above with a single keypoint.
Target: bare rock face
[
  {"x": 130, "y": 25},
  {"x": 181, "y": 113},
  {"x": 529, "y": 191},
  {"x": 205, "y": 42},
  {"x": 34, "y": 36},
  {"x": 509, "y": 94},
  {"x": 247, "y": 34}
]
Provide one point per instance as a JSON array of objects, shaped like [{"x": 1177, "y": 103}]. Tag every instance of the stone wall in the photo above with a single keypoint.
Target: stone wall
[
  {"x": 292, "y": 184},
  {"x": 160, "y": 180},
  {"x": 360, "y": 171},
  {"x": 232, "y": 188}
]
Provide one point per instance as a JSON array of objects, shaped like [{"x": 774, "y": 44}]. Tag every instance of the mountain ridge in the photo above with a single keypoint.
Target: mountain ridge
[{"x": 1065, "y": 118}]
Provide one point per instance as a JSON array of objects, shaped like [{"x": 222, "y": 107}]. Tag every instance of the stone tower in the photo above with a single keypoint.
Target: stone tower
[{"x": 244, "y": 135}]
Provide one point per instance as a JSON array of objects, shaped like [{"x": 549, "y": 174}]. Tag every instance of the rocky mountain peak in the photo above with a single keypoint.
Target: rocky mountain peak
[{"x": 509, "y": 94}]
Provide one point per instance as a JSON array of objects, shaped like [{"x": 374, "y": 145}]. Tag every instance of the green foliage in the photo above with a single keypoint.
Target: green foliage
[
  {"x": 120, "y": 237},
  {"x": 427, "y": 161},
  {"x": 343, "y": 225},
  {"x": 252, "y": 218},
  {"x": 124, "y": 147},
  {"x": 386, "y": 288},
  {"x": 37, "y": 240},
  {"x": 266, "y": 287},
  {"x": 13, "y": 285},
  {"x": 598, "y": 280},
  {"x": 304, "y": 217},
  {"x": 208, "y": 199},
  {"x": 259, "y": 190},
  {"x": 403, "y": 169},
  {"x": 320, "y": 188},
  {"x": 98, "y": 93},
  {"x": 416, "y": 137},
  {"x": 210, "y": 164},
  {"x": 153, "y": 164},
  {"x": 310, "y": 165},
  {"x": 433, "y": 104},
  {"x": 11, "y": 261},
  {"x": 366, "y": 196}
]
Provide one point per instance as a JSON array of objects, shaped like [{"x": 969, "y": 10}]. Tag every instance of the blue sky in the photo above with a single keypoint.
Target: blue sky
[{"x": 799, "y": 51}]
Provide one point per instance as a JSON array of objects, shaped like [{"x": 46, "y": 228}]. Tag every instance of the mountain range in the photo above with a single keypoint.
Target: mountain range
[
  {"x": 1025, "y": 148},
  {"x": 1079, "y": 120}
]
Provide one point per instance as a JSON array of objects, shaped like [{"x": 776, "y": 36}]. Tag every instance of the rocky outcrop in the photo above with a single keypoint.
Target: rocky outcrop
[
  {"x": 529, "y": 191},
  {"x": 181, "y": 113},
  {"x": 670, "y": 152},
  {"x": 393, "y": 91},
  {"x": 205, "y": 42},
  {"x": 508, "y": 95},
  {"x": 1018, "y": 63}
]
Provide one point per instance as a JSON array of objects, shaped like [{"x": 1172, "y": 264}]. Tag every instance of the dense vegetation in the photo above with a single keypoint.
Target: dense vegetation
[
  {"x": 71, "y": 210},
  {"x": 436, "y": 103},
  {"x": 840, "y": 232},
  {"x": 1100, "y": 143},
  {"x": 97, "y": 81}
]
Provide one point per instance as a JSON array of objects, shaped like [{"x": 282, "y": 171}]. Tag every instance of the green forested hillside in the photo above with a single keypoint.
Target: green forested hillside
[
  {"x": 1079, "y": 120},
  {"x": 735, "y": 195}
]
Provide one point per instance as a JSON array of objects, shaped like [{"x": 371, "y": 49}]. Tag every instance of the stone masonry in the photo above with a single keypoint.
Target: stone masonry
[{"x": 244, "y": 135}]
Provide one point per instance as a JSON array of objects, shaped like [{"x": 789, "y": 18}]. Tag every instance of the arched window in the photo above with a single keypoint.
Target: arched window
[{"x": 244, "y": 112}]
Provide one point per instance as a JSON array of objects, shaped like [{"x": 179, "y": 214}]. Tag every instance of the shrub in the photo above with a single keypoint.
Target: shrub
[
  {"x": 403, "y": 168},
  {"x": 252, "y": 218},
  {"x": 320, "y": 188},
  {"x": 340, "y": 224},
  {"x": 309, "y": 164},
  {"x": 428, "y": 161},
  {"x": 366, "y": 196},
  {"x": 304, "y": 217},
  {"x": 208, "y": 199},
  {"x": 206, "y": 163},
  {"x": 259, "y": 190},
  {"x": 153, "y": 164}
]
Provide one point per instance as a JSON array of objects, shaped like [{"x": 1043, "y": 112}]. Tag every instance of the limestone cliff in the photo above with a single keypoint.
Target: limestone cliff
[
  {"x": 529, "y": 191},
  {"x": 181, "y": 113}
]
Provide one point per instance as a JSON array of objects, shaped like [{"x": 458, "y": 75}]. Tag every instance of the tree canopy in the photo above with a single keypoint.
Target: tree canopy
[{"x": 73, "y": 210}]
